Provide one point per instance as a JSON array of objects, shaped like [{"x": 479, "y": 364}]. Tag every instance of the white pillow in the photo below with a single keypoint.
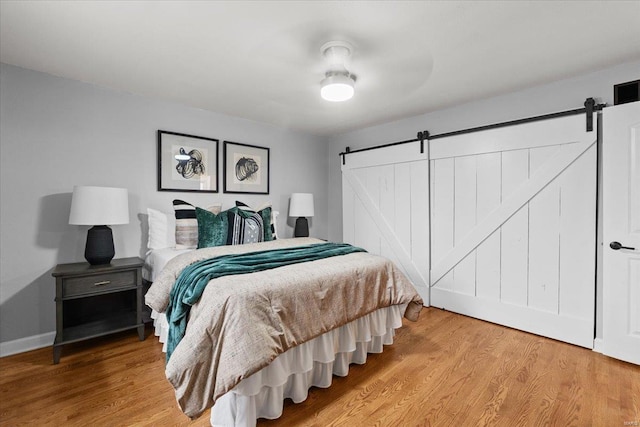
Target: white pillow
[
  {"x": 162, "y": 229},
  {"x": 274, "y": 224}
]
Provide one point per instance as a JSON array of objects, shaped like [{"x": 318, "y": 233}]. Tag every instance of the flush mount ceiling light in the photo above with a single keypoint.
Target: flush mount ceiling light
[
  {"x": 337, "y": 87},
  {"x": 338, "y": 84}
]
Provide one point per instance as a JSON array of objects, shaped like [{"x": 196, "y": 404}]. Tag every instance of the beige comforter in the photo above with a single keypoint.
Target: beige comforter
[{"x": 243, "y": 322}]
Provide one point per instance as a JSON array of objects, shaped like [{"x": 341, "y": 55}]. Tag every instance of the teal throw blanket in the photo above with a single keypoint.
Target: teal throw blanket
[{"x": 191, "y": 283}]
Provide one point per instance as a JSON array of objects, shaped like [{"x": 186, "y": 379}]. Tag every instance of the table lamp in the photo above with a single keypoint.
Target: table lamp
[
  {"x": 301, "y": 206},
  {"x": 99, "y": 207}
]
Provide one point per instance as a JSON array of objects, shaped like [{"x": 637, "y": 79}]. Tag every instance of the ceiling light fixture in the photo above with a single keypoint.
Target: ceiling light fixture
[{"x": 338, "y": 84}]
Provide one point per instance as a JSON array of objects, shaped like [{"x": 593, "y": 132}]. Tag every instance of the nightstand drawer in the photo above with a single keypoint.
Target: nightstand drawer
[{"x": 74, "y": 286}]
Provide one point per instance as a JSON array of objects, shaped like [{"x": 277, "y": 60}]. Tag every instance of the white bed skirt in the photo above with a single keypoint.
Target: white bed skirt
[{"x": 292, "y": 373}]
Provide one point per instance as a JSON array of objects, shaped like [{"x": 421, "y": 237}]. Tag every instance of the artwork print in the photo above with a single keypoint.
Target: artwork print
[
  {"x": 187, "y": 162},
  {"x": 190, "y": 162},
  {"x": 246, "y": 168}
]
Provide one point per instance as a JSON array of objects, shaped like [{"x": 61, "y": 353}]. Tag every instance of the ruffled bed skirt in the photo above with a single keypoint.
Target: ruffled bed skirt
[{"x": 292, "y": 373}]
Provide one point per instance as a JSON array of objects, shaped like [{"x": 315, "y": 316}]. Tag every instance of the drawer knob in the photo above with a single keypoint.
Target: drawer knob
[{"x": 104, "y": 282}]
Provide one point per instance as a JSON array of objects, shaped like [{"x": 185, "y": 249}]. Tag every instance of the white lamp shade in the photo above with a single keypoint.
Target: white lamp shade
[
  {"x": 99, "y": 206},
  {"x": 301, "y": 204}
]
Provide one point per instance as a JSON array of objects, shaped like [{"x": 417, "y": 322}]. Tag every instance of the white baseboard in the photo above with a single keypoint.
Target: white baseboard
[
  {"x": 27, "y": 344},
  {"x": 598, "y": 343}
]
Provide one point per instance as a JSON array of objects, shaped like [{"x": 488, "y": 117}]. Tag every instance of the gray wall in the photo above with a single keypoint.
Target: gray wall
[
  {"x": 558, "y": 96},
  {"x": 56, "y": 133}
]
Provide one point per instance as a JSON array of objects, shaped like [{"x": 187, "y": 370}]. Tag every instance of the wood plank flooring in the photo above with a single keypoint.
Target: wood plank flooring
[{"x": 443, "y": 370}]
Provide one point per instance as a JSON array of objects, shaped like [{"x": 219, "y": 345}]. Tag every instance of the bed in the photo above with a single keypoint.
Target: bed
[{"x": 329, "y": 313}]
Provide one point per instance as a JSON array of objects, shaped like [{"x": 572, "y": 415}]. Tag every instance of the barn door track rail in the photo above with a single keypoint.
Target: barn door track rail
[{"x": 589, "y": 108}]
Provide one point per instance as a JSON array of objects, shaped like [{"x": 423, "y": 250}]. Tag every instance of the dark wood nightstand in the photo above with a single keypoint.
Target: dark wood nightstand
[{"x": 96, "y": 300}]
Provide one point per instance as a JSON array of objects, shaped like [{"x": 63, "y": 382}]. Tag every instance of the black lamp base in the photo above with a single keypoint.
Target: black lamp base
[
  {"x": 302, "y": 227},
  {"x": 99, "y": 248}
]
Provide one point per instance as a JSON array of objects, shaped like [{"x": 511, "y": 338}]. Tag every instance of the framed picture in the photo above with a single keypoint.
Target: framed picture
[
  {"x": 246, "y": 168},
  {"x": 187, "y": 163}
]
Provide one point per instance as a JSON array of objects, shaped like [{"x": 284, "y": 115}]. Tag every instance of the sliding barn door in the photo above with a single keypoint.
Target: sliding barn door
[
  {"x": 385, "y": 199},
  {"x": 513, "y": 227}
]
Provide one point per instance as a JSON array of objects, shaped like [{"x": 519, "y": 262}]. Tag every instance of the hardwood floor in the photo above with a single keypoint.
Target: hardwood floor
[{"x": 445, "y": 369}]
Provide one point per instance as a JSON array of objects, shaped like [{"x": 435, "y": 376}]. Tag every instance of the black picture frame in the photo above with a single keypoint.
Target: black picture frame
[
  {"x": 196, "y": 172},
  {"x": 245, "y": 168}
]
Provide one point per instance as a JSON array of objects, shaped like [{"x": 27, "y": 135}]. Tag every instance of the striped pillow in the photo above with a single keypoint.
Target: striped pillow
[
  {"x": 244, "y": 227},
  {"x": 268, "y": 218},
  {"x": 187, "y": 223}
]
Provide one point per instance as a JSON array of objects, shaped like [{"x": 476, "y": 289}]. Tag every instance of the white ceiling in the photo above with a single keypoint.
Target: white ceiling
[{"x": 262, "y": 60}]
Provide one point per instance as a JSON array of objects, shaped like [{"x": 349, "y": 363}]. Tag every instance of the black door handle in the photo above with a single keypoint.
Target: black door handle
[{"x": 616, "y": 245}]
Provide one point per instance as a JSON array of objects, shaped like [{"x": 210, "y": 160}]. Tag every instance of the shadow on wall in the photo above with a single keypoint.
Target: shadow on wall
[
  {"x": 54, "y": 231},
  {"x": 31, "y": 310},
  {"x": 30, "y": 307}
]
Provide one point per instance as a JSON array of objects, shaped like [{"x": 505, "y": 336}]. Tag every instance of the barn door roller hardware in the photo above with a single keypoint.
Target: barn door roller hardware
[
  {"x": 344, "y": 154},
  {"x": 422, "y": 135},
  {"x": 590, "y": 107},
  {"x": 348, "y": 150}
]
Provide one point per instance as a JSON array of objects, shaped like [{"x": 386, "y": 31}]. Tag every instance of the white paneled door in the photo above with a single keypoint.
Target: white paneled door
[
  {"x": 498, "y": 224},
  {"x": 621, "y": 231},
  {"x": 513, "y": 218},
  {"x": 385, "y": 202}
]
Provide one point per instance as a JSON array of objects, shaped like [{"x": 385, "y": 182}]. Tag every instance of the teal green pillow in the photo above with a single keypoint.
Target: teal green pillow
[
  {"x": 266, "y": 220},
  {"x": 212, "y": 228}
]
